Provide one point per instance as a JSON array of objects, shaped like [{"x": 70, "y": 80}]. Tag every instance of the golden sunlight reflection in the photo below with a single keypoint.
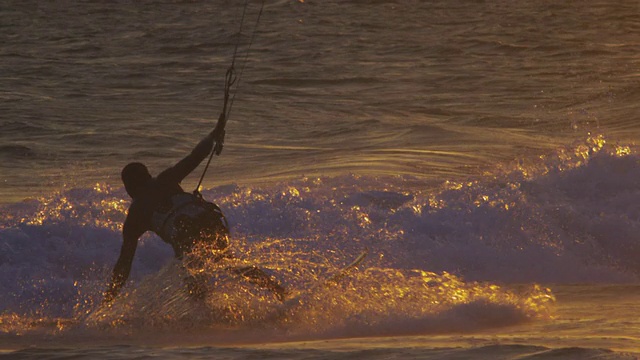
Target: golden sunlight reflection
[
  {"x": 373, "y": 299},
  {"x": 623, "y": 151},
  {"x": 367, "y": 298},
  {"x": 569, "y": 158},
  {"x": 106, "y": 210}
]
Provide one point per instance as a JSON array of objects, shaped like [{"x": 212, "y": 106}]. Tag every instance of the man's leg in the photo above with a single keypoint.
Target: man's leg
[{"x": 262, "y": 279}]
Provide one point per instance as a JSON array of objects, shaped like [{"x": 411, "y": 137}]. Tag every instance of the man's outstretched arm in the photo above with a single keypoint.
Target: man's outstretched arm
[
  {"x": 184, "y": 167},
  {"x": 122, "y": 268}
]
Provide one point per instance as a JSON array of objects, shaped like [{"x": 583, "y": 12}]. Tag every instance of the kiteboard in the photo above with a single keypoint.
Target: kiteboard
[{"x": 326, "y": 282}]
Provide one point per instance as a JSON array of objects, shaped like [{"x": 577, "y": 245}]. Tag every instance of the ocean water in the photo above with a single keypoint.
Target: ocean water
[{"x": 484, "y": 152}]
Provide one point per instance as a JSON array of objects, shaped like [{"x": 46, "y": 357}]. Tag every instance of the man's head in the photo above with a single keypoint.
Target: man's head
[{"x": 135, "y": 177}]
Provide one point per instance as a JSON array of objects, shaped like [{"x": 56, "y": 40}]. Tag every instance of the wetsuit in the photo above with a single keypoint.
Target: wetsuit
[
  {"x": 156, "y": 194},
  {"x": 156, "y": 206}
]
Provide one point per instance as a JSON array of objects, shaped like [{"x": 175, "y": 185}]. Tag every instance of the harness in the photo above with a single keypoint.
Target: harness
[{"x": 189, "y": 219}]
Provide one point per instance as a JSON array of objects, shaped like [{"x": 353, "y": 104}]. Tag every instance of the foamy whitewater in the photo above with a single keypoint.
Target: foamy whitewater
[{"x": 484, "y": 154}]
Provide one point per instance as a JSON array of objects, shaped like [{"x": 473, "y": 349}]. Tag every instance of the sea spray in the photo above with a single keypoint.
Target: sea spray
[{"x": 439, "y": 260}]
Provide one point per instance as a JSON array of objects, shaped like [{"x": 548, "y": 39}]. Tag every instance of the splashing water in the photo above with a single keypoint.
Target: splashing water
[
  {"x": 439, "y": 259},
  {"x": 372, "y": 301}
]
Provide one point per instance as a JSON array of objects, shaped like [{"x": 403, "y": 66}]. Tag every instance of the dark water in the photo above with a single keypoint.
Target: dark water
[
  {"x": 439, "y": 90},
  {"x": 488, "y": 352}
]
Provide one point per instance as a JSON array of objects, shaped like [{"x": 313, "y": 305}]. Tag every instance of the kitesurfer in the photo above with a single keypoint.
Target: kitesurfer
[{"x": 181, "y": 219}]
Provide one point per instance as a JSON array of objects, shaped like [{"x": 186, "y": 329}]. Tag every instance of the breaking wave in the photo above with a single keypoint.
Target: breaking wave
[{"x": 439, "y": 261}]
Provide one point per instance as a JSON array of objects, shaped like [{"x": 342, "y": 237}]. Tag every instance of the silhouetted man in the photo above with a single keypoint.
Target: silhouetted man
[{"x": 181, "y": 219}]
